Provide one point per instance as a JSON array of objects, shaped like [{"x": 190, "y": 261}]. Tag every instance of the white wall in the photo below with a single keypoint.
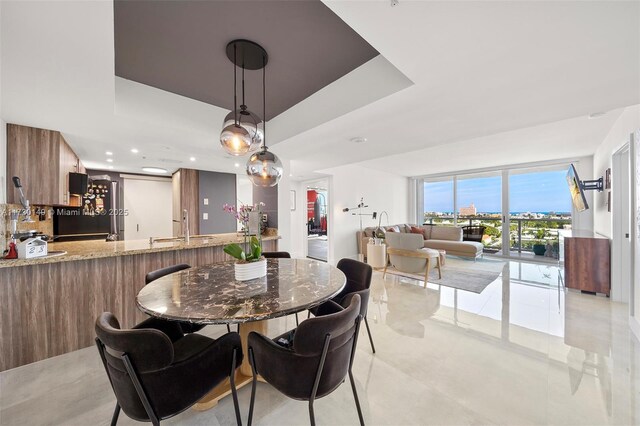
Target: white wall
[
  {"x": 3, "y": 134},
  {"x": 284, "y": 213},
  {"x": 298, "y": 219},
  {"x": 628, "y": 122},
  {"x": 583, "y": 221},
  {"x": 380, "y": 190}
]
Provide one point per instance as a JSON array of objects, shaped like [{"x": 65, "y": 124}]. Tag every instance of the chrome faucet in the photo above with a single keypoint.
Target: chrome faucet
[{"x": 185, "y": 225}]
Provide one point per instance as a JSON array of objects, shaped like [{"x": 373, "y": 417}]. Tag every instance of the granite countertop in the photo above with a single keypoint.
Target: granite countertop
[
  {"x": 210, "y": 294},
  {"x": 95, "y": 249}
]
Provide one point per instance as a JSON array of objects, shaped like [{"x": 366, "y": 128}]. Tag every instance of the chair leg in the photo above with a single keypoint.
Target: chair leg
[
  {"x": 116, "y": 413},
  {"x": 234, "y": 392},
  {"x": 355, "y": 396},
  {"x": 439, "y": 268},
  {"x": 366, "y": 323},
  {"x": 312, "y": 417},
  {"x": 253, "y": 385},
  {"x": 228, "y": 328},
  {"x": 384, "y": 273},
  {"x": 426, "y": 274},
  {"x": 297, "y": 322}
]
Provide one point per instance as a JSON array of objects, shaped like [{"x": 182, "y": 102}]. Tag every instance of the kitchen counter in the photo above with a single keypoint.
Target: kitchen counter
[
  {"x": 50, "y": 304},
  {"x": 95, "y": 249}
]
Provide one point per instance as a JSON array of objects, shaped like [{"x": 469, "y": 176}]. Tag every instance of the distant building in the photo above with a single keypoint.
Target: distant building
[{"x": 468, "y": 211}]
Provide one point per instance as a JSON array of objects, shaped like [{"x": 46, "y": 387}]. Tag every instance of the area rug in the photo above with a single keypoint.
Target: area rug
[{"x": 461, "y": 273}]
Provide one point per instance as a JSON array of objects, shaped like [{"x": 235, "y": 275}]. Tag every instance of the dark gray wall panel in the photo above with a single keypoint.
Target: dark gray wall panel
[
  {"x": 269, "y": 196},
  {"x": 218, "y": 188}
]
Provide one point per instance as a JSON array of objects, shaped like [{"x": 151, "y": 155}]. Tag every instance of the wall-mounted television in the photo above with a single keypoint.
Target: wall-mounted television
[{"x": 576, "y": 189}]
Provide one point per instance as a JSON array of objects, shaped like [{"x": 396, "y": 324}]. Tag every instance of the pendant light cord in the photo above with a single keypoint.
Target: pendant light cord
[
  {"x": 235, "y": 86},
  {"x": 243, "y": 83},
  {"x": 264, "y": 104}
]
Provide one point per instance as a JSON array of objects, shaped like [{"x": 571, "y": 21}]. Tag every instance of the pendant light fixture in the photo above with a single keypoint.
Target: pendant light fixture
[
  {"x": 241, "y": 131},
  {"x": 264, "y": 168}
]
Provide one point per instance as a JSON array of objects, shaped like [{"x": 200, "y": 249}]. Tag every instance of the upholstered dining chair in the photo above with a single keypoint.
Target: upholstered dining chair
[
  {"x": 358, "y": 282},
  {"x": 187, "y": 327},
  {"x": 407, "y": 254},
  {"x": 157, "y": 372},
  {"x": 311, "y": 361},
  {"x": 276, "y": 255}
]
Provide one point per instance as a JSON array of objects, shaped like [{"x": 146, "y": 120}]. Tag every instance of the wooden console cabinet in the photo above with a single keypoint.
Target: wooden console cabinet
[{"x": 587, "y": 264}]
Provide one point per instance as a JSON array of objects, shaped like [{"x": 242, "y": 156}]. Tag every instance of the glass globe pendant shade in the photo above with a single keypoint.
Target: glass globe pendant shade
[
  {"x": 264, "y": 168},
  {"x": 249, "y": 122},
  {"x": 235, "y": 139}
]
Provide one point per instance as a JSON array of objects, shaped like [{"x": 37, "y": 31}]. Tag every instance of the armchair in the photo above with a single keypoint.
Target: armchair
[{"x": 407, "y": 254}]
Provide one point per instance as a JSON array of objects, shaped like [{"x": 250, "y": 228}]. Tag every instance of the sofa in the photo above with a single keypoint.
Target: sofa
[{"x": 437, "y": 237}]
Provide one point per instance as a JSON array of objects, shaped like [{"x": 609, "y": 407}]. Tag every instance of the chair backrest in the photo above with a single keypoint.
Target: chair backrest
[
  {"x": 473, "y": 233},
  {"x": 358, "y": 275},
  {"x": 159, "y": 273},
  {"x": 406, "y": 242},
  {"x": 276, "y": 255},
  {"x": 310, "y": 334},
  {"x": 308, "y": 345},
  {"x": 358, "y": 281},
  {"x": 149, "y": 349}
]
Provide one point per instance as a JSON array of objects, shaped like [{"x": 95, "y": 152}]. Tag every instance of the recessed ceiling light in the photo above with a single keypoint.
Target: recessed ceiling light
[
  {"x": 110, "y": 160},
  {"x": 110, "y": 167},
  {"x": 290, "y": 175},
  {"x": 154, "y": 170},
  {"x": 192, "y": 159},
  {"x": 237, "y": 164},
  {"x": 595, "y": 115},
  {"x": 134, "y": 150},
  {"x": 109, "y": 153},
  {"x": 359, "y": 139}
]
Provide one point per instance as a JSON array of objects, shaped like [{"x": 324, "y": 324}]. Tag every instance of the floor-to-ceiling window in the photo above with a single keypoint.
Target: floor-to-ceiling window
[
  {"x": 539, "y": 209},
  {"x": 439, "y": 201},
  {"x": 479, "y": 204},
  {"x": 525, "y": 206}
]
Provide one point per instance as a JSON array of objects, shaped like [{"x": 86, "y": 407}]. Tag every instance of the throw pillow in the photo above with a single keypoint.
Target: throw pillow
[
  {"x": 392, "y": 229},
  {"x": 416, "y": 230}
]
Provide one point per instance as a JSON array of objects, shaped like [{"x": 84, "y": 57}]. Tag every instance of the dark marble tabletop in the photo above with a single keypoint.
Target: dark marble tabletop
[{"x": 210, "y": 294}]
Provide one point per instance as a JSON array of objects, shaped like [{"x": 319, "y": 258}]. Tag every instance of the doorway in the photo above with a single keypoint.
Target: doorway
[
  {"x": 621, "y": 226},
  {"x": 317, "y": 221},
  {"x": 148, "y": 204}
]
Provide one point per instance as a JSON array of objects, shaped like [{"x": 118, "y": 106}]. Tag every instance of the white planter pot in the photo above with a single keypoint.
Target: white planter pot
[{"x": 250, "y": 270}]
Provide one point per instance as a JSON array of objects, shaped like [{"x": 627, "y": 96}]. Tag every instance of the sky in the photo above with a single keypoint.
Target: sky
[{"x": 528, "y": 192}]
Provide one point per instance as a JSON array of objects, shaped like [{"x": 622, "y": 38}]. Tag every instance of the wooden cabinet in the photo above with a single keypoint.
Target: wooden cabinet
[
  {"x": 587, "y": 264},
  {"x": 42, "y": 160},
  {"x": 185, "y": 196}
]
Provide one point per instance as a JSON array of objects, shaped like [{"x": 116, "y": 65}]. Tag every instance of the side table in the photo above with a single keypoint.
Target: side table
[{"x": 377, "y": 255}]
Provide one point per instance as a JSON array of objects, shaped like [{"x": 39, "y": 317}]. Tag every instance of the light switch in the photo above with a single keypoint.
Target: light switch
[
  {"x": 206, "y": 201},
  {"x": 205, "y": 216}
]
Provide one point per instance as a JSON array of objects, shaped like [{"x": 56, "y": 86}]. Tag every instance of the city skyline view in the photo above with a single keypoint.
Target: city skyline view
[{"x": 528, "y": 192}]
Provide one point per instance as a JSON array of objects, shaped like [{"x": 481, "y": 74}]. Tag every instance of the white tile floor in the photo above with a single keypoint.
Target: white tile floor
[{"x": 522, "y": 352}]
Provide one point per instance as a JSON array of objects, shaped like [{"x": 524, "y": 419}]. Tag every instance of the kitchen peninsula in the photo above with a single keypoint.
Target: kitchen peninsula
[{"x": 59, "y": 297}]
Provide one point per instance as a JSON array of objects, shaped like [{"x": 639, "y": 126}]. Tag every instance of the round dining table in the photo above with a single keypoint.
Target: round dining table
[{"x": 210, "y": 294}]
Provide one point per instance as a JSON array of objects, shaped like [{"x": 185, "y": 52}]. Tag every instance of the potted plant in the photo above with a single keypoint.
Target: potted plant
[
  {"x": 539, "y": 247},
  {"x": 250, "y": 264}
]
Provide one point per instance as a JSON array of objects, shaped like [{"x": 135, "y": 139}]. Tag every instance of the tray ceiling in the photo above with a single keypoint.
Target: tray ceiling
[{"x": 179, "y": 47}]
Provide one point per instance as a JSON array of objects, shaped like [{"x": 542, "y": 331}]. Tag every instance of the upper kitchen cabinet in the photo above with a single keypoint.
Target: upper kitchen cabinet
[{"x": 42, "y": 160}]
